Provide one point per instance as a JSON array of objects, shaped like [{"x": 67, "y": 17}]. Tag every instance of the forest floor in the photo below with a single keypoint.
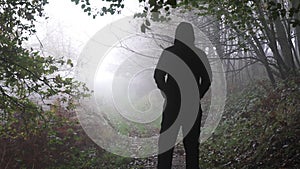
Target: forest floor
[
  {"x": 260, "y": 128},
  {"x": 151, "y": 162}
]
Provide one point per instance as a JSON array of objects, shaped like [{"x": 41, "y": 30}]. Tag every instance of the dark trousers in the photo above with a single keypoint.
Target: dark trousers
[{"x": 190, "y": 141}]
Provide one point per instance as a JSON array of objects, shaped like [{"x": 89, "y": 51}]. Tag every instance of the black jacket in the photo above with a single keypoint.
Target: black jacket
[{"x": 194, "y": 58}]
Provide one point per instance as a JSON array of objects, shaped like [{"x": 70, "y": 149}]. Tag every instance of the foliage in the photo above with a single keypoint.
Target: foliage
[
  {"x": 265, "y": 28},
  {"x": 28, "y": 82},
  {"x": 26, "y": 77},
  {"x": 259, "y": 129},
  {"x": 61, "y": 143},
  {"x": 114, "y": 6},
  {"x": 265, "y": 31}
]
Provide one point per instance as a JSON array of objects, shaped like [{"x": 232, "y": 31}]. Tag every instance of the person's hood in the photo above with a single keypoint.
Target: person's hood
[{"x": 185, "y": 34}]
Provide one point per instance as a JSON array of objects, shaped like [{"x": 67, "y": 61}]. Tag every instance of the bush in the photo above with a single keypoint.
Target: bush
[
  {"x": 260, "y": 129},
  {"x": 55, "y": 142}
]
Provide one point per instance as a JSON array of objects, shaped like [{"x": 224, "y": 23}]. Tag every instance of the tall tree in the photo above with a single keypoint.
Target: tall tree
[
  {"x": 268, "y": 31},
  {"x": 27, "y": 77}
]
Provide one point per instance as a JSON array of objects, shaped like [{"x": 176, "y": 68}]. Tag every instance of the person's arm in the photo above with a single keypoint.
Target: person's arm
[
  {"x": 205, "y": 75},
  {"x": 205, "y": 83},
  {"x": 159, "y": 77}
]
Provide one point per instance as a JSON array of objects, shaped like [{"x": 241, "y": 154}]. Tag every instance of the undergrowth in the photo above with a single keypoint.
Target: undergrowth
[{"x": 260, "y": 129}]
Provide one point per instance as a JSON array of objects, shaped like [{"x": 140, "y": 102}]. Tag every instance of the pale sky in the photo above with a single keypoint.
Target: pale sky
[{"x": 68, "y": 21}]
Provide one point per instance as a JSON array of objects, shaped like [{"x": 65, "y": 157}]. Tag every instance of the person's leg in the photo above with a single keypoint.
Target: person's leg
[
  {"x": 191, "y": 143},
  {"x": 167, "y": 140},
  {"x": 165, "y": 158}
]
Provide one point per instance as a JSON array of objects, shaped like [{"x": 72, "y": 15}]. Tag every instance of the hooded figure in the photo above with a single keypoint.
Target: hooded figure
[{"x": 197, "y": 62}]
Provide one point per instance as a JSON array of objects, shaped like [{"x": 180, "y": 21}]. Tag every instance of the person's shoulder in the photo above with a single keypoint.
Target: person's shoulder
[
  {"x": 199, "y": 51},
  {"x": 170, "y": 48}
]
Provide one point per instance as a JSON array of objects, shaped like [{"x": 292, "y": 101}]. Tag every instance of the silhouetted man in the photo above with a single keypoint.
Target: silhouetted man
[{"x": 197, "y": 62}]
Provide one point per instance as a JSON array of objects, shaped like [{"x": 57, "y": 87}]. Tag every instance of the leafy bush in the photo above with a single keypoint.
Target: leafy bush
[
  {"x": 59, "y": 142},
  {"x": 260, "y": 129}
]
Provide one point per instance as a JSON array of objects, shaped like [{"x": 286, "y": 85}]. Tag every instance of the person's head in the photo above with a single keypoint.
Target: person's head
[{"x": 185, "y": 33}]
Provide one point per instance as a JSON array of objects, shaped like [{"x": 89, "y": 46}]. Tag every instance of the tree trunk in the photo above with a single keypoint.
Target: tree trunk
[
  {"x": 263, "y": 58},
  {"x": 295, "y": 4},
  {"x": 285, "y": 46}
]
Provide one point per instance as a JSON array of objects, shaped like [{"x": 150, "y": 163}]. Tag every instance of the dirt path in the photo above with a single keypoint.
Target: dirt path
[{"x": 151, "y": 162}]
